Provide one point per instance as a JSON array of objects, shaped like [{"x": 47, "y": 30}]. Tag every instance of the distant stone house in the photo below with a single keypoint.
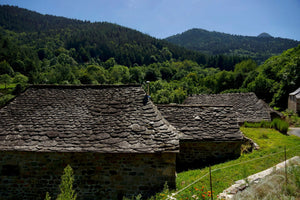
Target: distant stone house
[
  {"x": 247, "y": 106},
  {"x": 209, "y": 134},
  {"x": 116, "y": 141},
  {"x": 294, "y": 101}
]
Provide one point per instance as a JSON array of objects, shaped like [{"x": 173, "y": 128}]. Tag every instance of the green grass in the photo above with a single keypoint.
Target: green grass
[{"x": 270, "y": 142}]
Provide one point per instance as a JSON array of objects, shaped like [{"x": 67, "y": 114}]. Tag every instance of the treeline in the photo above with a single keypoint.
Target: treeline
[
  {"x": 171, "y": 81},
  {"x": 211, "y": 42},
  {"x": 271, "y": 81}
]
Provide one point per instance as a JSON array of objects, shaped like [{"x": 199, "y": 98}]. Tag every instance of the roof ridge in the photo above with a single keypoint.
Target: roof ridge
[
  {"x": 193, "y": 105},
  {"x": 41, "y": 86}
]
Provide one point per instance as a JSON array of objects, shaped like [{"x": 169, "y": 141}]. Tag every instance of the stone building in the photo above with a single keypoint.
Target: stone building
[
  {"x": 209, "y": 134},
  {"x": 247, "y": 106},
  {"x": 116, "y": 141},
  {"x": 294, "y": 101}
]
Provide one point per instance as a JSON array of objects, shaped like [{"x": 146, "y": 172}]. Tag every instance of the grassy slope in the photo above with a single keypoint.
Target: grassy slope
[{"x": 270, "y": 142}]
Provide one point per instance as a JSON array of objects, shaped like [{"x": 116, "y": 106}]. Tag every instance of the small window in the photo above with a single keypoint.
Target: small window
[{"x": 10, "y": 170}]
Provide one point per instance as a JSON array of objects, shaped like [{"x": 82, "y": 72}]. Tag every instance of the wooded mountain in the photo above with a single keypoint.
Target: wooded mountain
[
  {"x": 98, "y": 41},
  {"x": 258, "y": 48}
]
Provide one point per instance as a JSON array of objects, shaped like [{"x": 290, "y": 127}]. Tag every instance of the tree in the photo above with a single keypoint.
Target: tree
[
  {"x": 5, "y": 68},
  {"x": 20, "y": 78},
  {"x": 119, "y": 74},
  {"x": 136, "y": 75},
  {"x": 6, "y": 79},
  {"x": 262, "y": 87},
  {"x": 152, "y": 74}
]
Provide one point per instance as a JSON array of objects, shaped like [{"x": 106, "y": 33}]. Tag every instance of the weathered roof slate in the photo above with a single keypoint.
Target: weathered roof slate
[
  {"x": 296, "y": 93},
  {"x": 203, "y": 123},
  {"x": 248, "y": 107},
  {"x": 108, "y": 119}
]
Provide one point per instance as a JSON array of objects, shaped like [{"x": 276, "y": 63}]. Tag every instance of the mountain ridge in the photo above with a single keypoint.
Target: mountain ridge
[{"x": 212, "y": 42}]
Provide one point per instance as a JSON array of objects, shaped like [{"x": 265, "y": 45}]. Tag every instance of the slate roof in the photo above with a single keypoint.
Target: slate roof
[
  {"x": 203, "y": 123},
  {"x": 296, "y": 93},
  {"x": 106, "y": 119},
  {"x": 248, "y": 107}
]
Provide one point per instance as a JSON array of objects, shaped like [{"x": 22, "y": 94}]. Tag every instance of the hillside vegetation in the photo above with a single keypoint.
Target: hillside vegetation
[
  {"x": 92, "y": 42},
  {"x": 258, "y": 48},
  {"x": 43, "y": 49}
]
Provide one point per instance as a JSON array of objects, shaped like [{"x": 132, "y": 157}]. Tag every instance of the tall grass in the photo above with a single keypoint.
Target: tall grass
[
  {"x": 281, "y": 125},
  {"x": 274, "y": 187}
]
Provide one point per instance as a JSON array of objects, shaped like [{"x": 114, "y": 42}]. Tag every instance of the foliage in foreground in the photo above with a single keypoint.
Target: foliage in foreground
[{"x": 66, "y": 186}]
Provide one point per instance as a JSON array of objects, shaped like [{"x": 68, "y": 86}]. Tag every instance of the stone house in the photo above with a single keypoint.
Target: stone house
[
  {"x": 116, "y": 141},
  {"x": 294, "y": 101},
  {"x": 247, "y": 106},
  {"x": 208, "y": 134}
]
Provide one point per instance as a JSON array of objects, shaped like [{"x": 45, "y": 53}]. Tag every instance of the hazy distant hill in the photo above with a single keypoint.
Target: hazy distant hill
[
  {"x": 265, "y": 35},
  {"x": 259, "y": 48}
]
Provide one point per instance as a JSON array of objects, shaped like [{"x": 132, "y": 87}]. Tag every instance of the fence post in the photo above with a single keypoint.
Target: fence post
[
  {"x": 285, "y": 167},
  {"x": 211, "y": 192}
]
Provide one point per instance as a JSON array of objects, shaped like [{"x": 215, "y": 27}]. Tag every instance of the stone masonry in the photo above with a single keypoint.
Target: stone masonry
[
  {"x": 201, "y": 154},
  {"x": 209, "y": 134},
  {"x": 29, "y": 175},
  {"x": 113, "y": 137}
]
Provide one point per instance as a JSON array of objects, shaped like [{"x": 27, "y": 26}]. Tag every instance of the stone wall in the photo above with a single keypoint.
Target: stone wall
[
  {"x": 294, "y": 103},
  {"x": 195, "y": 154},
  {"x": 29, "y": 175}
]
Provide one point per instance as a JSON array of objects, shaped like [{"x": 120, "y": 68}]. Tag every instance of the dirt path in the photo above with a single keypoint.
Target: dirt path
[{"x": 294, "y": 131}]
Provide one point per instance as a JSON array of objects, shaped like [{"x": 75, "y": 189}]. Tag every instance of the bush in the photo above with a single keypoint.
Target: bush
[
  {"x": 66, "y": 186},
  {"x": 292, "y": 118}
]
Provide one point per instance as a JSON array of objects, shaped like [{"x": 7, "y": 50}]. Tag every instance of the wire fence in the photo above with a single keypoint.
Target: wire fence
[{"x": 173, "y": 195}]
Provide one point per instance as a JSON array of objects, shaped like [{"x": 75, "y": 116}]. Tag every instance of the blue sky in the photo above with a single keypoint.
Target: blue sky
[{"x": 163, "y": 18}]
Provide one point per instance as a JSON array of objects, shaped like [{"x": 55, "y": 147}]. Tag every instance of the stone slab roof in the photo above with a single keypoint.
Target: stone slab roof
[
  {"x": 296, "y": 93},
  {"x": 107, "y": 119},
  {"x": 248, "y": 107},
  {"x": 204, "y": 123}
]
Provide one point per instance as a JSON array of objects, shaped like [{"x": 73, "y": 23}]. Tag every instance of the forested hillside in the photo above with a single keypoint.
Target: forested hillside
[
  {"x": 87, "y": 42},
  {"x": 258, "y": 48},
  {"x": 43, "y": 49}
]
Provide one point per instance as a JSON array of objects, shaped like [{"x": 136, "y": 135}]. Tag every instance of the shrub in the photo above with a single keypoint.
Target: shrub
[
  {"x": 66, "y": 186},
  {"x": 292, "y": 118},
  {"x": 47, "y": 196}
]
